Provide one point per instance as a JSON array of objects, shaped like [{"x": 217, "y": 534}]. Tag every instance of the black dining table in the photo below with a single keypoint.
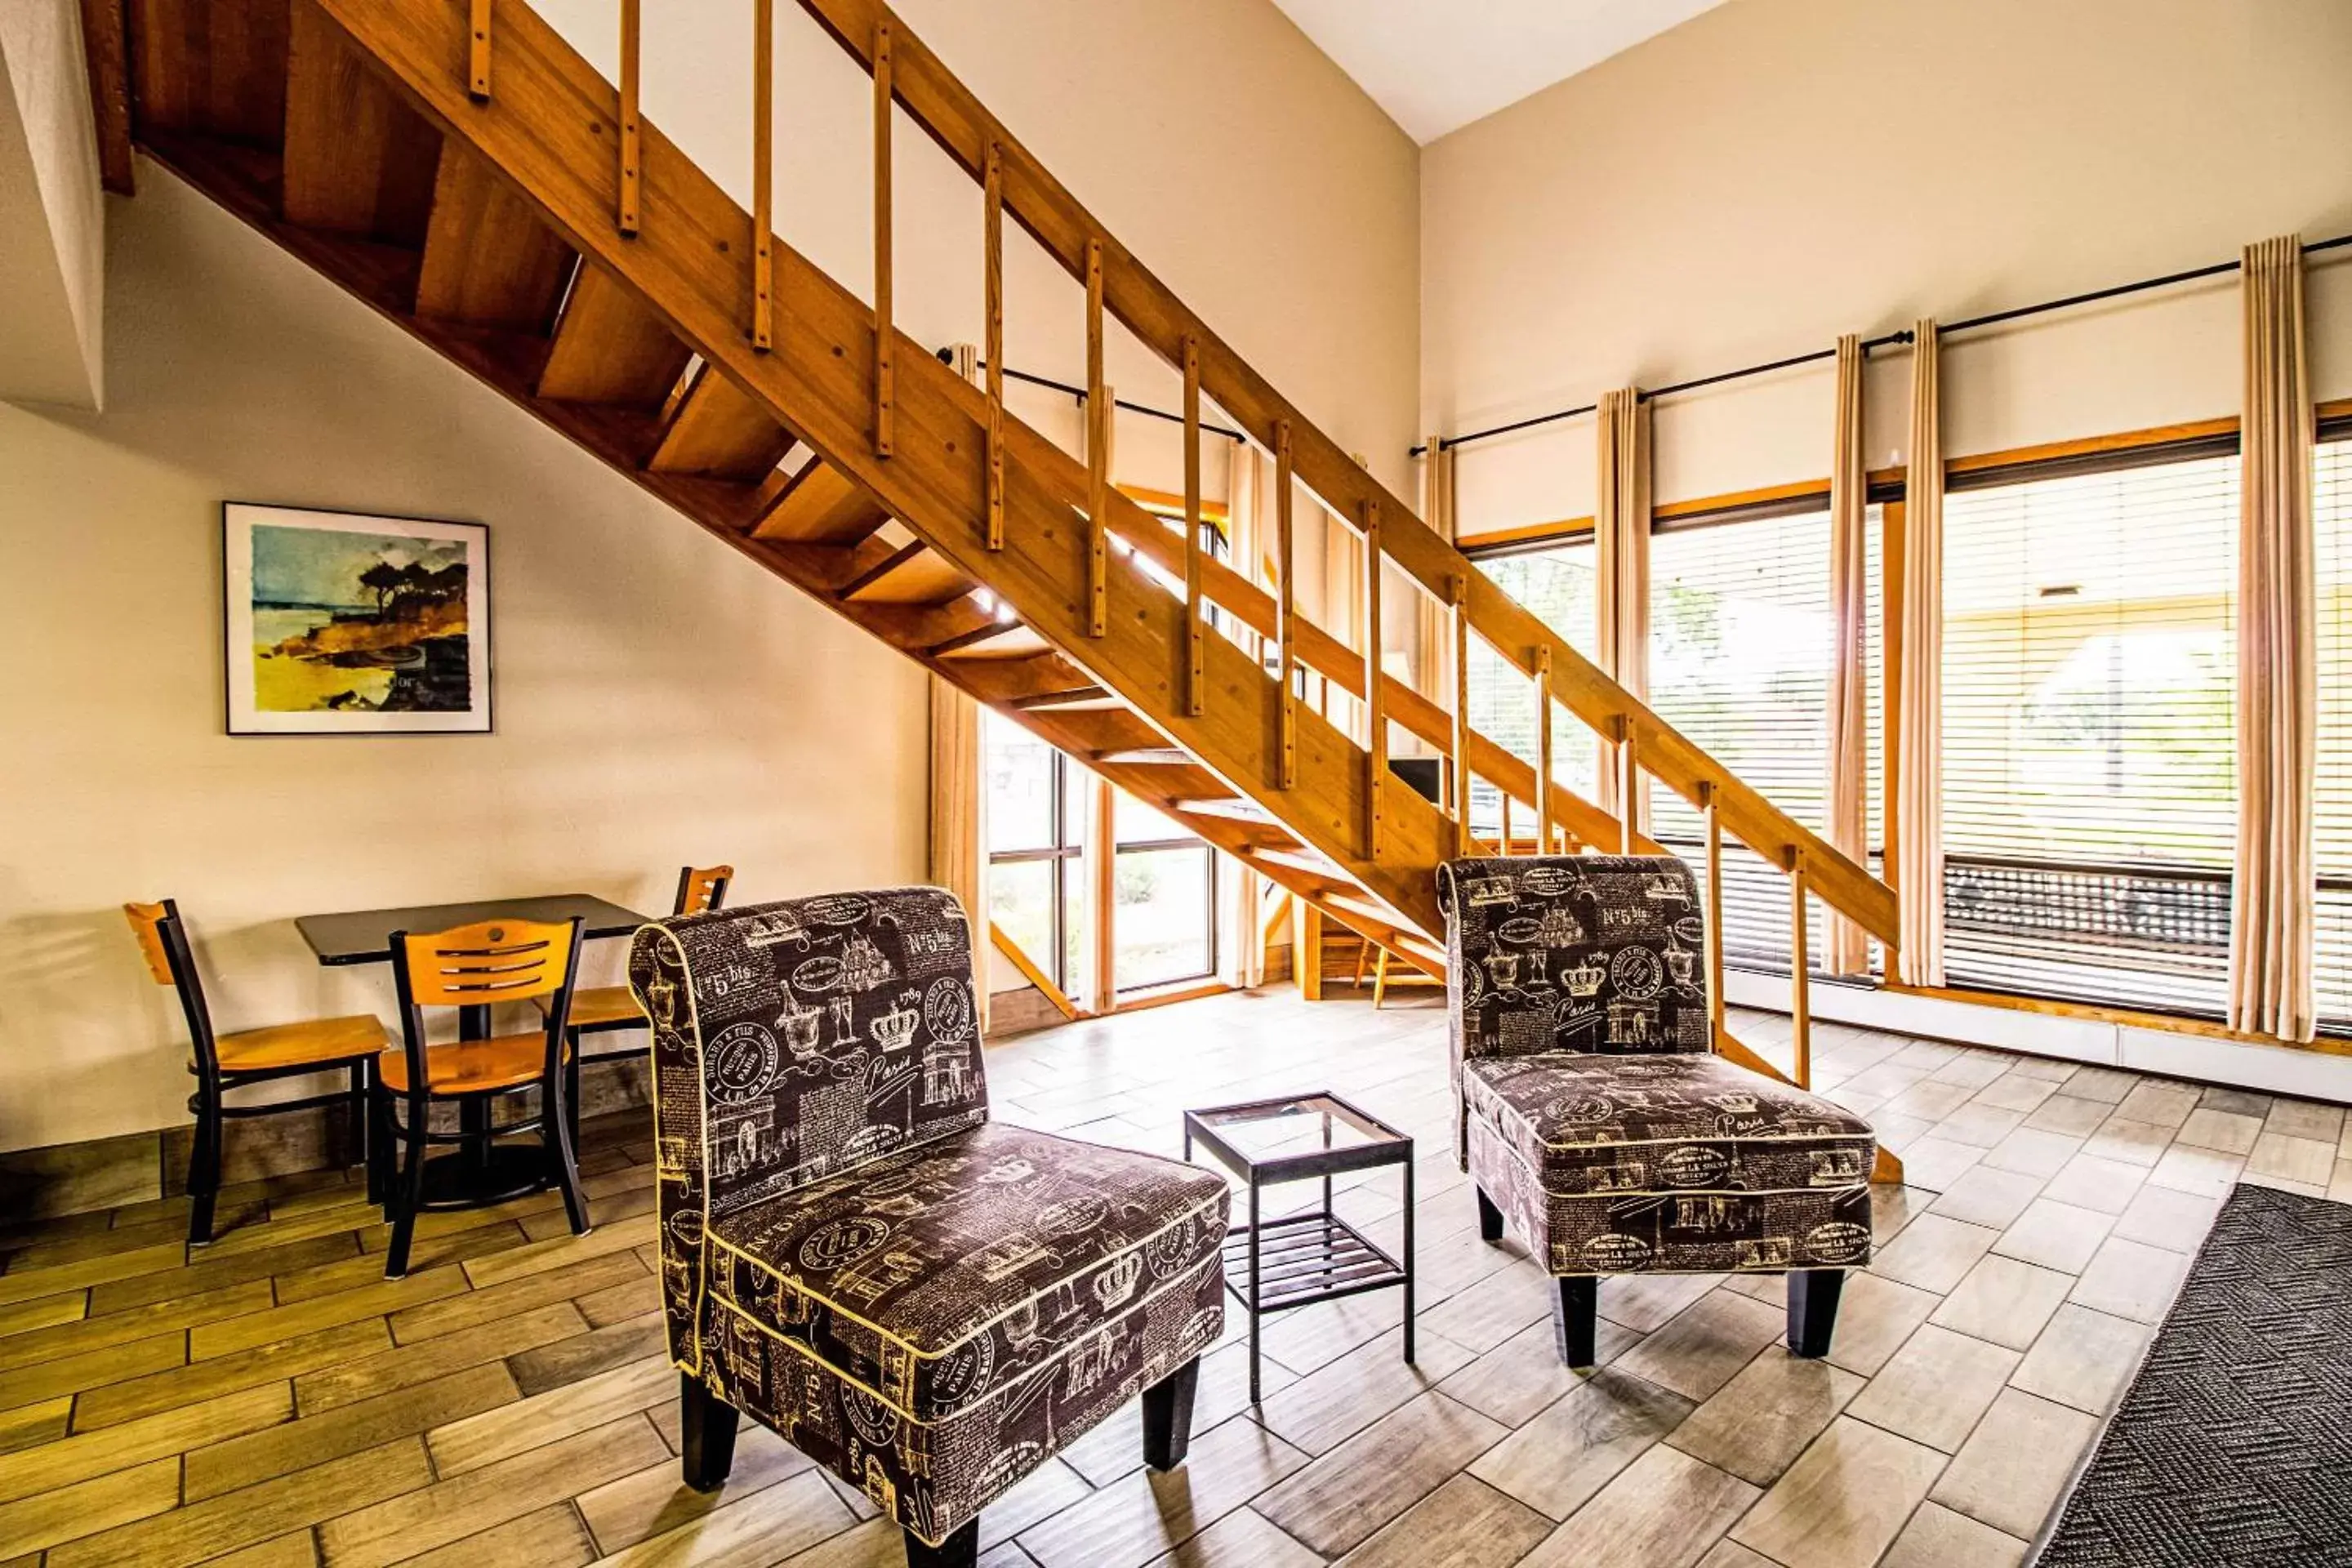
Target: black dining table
[{"x": 365, "y": 936}]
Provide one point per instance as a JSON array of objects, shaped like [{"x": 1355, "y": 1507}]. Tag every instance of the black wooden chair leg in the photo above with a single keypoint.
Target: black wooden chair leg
[
  {"x": 1812, "y": 1309},
  {"x": 961, "y": 1550},
  {"x": 1575, "y": 1317},
  {"x": 707, "y": 1432},
  {"x": 1490, "y": 1219},
  {"x": 1168, "y": 1417},
  {"x": 204, "y": 1169}
]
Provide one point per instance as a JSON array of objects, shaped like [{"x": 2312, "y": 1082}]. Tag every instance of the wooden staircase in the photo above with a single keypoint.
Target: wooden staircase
[{"x": 458, "y": 166}]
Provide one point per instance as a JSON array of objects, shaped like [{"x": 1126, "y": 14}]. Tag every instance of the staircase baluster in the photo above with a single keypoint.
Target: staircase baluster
[
  {"x": 1800, "y": 979},
  {"x": 885, "y": 333},
  {"x": 1506, "y": 822},
  {"x": 1629, "y": 787},
  {"x": 1098, "y": 412},
  {"x": 763, "y": 130},
  {"x": 477, "y": 53},
  {"x": 1286, "y": 612},
  {"x": 1376, "y": 714},
  {"x": 993, "y": 270},
  {"x": 1711, "y": 809},
  {"x": 1457, "y": 595},
  {"x": 1543, "y": 749},
  {"x": 630, "y": 36},
  {"x": 1196, "y": 642}
]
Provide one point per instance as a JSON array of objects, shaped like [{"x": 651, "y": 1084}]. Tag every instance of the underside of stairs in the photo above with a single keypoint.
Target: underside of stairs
[{"x": 456, "y": 166}]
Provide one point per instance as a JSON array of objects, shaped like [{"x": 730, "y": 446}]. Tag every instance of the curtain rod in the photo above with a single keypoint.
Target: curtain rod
[
  {"x": 1448, "y": 443},
  {"x": 946, "y": 356}
]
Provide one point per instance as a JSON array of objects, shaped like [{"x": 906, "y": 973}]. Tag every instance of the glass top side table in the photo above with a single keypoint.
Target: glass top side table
[{"x": 1314, "y": 1256}]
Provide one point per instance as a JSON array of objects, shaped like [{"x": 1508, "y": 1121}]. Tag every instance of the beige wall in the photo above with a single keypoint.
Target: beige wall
[
  {"x": 1777, "y": 172},
  {"x": 658, "y": 699},
  {"x": 52, "y": 228}
]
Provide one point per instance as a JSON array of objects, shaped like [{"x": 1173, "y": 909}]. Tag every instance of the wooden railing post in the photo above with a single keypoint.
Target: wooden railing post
[
  {"x": 763, "y": 174},
  {"x": 1376, "y": 714},
  {"x": 1196, "y": 635},
  {"x": 1713, "y": 815},
  {"x": 1800, "y": 977},
  {"x": 632, "y": 171},
  {"x": 1506, "y": 822},
  {"x": 1285, "y": 614},
  {"x": 1457, "y": 594},
  {"x": 885, "y": 333},
  {"x": 1543, "y": 749},
  {"x": 1098, "y": 412},
  {"x": 477, "y": 53},
  {"x": 1628, "y": 787},
  {"x": 993, "y": 349}
]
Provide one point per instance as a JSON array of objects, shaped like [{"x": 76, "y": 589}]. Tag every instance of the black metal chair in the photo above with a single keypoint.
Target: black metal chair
[
  {"x": 224, "y": 1063},
  {"x": 472, "y": 968},
  {"x": 602, "y": 1009}
]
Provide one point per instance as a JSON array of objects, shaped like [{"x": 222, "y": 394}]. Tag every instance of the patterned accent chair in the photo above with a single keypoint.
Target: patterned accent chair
[
  {"x": 926, "y": 1302},
  {"x": 1595, "y": 1115}
]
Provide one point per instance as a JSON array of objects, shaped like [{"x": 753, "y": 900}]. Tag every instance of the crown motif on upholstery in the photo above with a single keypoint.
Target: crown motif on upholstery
[
  {"x": 895, "y": 1030},
  {"x": 1584, "y": 977}
]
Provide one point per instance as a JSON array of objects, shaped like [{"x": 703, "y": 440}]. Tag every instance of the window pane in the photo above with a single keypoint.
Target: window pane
[
  {"x": 2333, "y": 803},
  {"x": 1162, "y": 923},
  {"x": 1020, "y": 786},
  {"x": 1556, "y": 585},
  {"x": 1136, "y": 823},
  {"x": 1077, "y": 977},
  {"x": 2089, "y": 683},
  {"x": 1020, "y": 899}
]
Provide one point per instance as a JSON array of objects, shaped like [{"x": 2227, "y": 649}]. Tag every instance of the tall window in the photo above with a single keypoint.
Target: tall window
[
  {"x": 2332, "y": 563},
  {"x": 1742, "y": 641},
  {"x": 1037, "y": 850},
  {"x": 2089, "y": 678}
]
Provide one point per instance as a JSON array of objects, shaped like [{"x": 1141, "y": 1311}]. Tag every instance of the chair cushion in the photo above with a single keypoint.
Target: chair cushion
[
  {"x": 1611, "y": 1124},
  {"x": 937, "y": 1275},
  {"x": 319, "y": 1040}
]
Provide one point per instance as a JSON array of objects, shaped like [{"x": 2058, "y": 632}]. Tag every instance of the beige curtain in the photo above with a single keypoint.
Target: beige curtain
[
  {"x": 1919, "y": 701},
  {"x": 1846, "y": 947},
  {"x": 1621, "y": 514},
  {"x": 2274, "y": 889},
  {"x": 1433, "y": 623},
  {"x": 959, "y": 837}
]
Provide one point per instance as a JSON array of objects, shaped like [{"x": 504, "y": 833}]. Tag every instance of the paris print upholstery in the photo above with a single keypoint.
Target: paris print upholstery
[
  {"x": 1593, "y": 1110},
  {"x": 926, "y": 1302}
]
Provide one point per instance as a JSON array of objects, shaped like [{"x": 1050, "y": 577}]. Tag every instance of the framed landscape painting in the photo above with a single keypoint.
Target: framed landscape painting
[{"x": 344, "y": 624}]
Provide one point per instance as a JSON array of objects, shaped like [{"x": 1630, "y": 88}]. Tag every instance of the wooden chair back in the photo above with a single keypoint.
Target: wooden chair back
[
  {"x": 480, "y": 965},
  {"x": 702, "y": 888},
  {"x": 164, "y": 942}
]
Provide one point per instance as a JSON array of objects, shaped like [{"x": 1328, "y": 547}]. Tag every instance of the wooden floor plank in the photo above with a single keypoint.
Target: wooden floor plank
[
  {"x": 30, "y": 1284},
  {"x": 85, "y": 1334},
  {"x": 110, "y": 1449},
  {"x": 551, "y": 1537},
  {"x": 202, "y": 1380},
  {"x": 84, "y": 1507},
  {"x": 352, "y": 1306},
  {"x": 584, "y": 1355},
  {"x": 220, "y": 1467},
  {"x": 406, "y": 1365},
  {"x": 257, "y": 1514},
  {"x": 32, "y": 1424},
  {"x": 367, "y": 1268},
  {"x": 575, "y": 1407},
  {"x": 92, "y": 1368},
  {"x": 209, "y": 1273},
  {"x": 41, "y": 1313},
  {"x": 656, "y": 1499},
  {"x": 495, "y": 1301},
  {"x": 560, "y": 1251}
]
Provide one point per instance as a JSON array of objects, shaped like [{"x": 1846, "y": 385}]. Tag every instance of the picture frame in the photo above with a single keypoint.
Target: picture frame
[{"x": 343, "y": 623}]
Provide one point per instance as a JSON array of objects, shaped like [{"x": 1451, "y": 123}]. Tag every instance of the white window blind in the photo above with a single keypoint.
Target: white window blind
[
  {"x": 1741, "y": 642},
  {"x": 2331, "y": 563},
  {"x": 2089, "y": 681}
]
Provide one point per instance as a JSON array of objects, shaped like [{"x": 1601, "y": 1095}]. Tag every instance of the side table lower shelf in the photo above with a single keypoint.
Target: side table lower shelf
[{"x": 1309, "y": 1258}]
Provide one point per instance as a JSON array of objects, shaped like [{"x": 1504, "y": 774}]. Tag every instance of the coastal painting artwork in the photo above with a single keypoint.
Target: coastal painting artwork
[{"x": 342, "y": 624}]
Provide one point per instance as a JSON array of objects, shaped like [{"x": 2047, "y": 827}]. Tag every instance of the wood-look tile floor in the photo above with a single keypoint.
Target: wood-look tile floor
[{"x": 271, "y": 1401}]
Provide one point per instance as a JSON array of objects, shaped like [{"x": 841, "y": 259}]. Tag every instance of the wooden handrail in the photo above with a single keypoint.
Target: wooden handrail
[{"x": 963, "y": 127}]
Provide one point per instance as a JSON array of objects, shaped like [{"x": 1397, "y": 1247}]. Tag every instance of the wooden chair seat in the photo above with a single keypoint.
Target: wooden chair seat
[
  {"x": 604, "y": 1007},
  {"x": 470, "y": 1066},
  {"x": 323, "y": 1042}
]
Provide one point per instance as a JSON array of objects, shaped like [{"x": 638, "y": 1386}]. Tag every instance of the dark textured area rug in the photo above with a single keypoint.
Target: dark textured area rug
[{"x": 2235, "y": 1443}]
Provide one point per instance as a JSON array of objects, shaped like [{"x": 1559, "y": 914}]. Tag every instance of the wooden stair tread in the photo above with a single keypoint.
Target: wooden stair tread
[
  {"x": 915, "y": 574},
  {"x": 488, "y": 259},
  {"x": 610, "y": 349},
  {"x": 1075, "y": 697},
  {"x": 359, "y": 160},
  {"x": 820, "y": 505},
  {"x": 720, "y": 432}
]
